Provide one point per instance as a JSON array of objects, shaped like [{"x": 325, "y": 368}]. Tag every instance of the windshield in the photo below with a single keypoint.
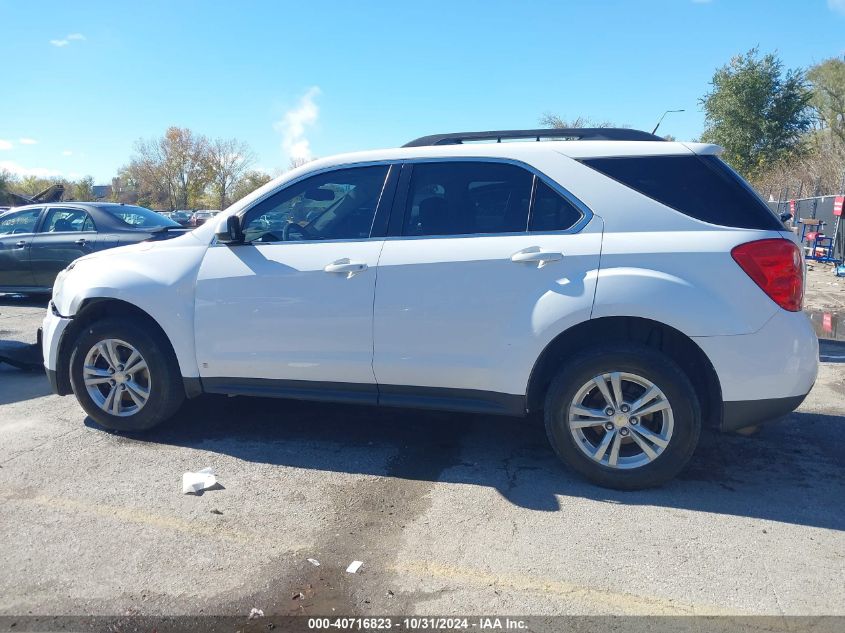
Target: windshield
[{"x": 139, "y": 217}]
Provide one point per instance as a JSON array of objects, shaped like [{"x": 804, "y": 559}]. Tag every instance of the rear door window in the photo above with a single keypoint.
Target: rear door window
[
  {"x": 463, "y": 198},
  {"x": 67, "y": 221},
  {"x": 551, "y": 211},
  {"x": 702, "y": 187}
]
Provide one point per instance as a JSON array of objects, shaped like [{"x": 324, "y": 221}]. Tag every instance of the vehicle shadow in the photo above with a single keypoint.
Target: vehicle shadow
[
  {"x": 18, "y": 385},
  {"x": 24, "y": 301},
  {"x": 792, "y": 471}
]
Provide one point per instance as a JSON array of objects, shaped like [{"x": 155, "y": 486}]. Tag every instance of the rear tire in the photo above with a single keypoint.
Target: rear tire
[
  {"x": 137, "y": 397},
  {"x": 624, "y": 416}
]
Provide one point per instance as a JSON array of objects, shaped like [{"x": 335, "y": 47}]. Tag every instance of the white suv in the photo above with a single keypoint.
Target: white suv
[{"x": 632, "y": 289}]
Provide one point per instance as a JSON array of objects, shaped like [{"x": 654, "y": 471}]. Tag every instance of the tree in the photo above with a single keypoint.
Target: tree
[
  {"x": 757, "y": 111},
  {"x": 83, "y": 189},
  {"x": 172, "y": 168},
  {"x": 828, "y": 82},
  {"x": 550, "y": 120},
  {"x": 251, "y": 181},
  {"x": 7, "y": 180},
  {"x": 30, "y": 185},
  {"x": 227, "y": 162}
]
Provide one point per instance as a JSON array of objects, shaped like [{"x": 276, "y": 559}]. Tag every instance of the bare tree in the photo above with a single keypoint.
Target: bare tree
[
  {"x": 298, "y": 161},
  {"x": 227, "y": 161},
  {"x": 173, "y": 167},
  {"x": 251, "y": 181},
  {"x": 551, "y": 120},
  {"x": 820, "y": 167}
]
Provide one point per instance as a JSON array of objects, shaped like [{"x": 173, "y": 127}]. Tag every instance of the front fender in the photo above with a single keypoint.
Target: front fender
[{"x": 158, "y": 278}]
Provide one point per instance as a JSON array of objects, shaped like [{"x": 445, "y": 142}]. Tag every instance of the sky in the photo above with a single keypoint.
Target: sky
[{"x": 83, "y": 81}]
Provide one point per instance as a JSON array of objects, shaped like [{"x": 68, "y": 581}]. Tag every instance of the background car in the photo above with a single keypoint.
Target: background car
[
  {"x": 182, "y": 216},
  {"x": 37, "y": 241},
  {"x": 201, "y": 216}
]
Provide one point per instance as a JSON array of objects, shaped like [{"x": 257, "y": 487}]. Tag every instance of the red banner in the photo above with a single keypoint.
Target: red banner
[
  {"x": 837, "y": 205},
  {"x": 792, "y": 207}
]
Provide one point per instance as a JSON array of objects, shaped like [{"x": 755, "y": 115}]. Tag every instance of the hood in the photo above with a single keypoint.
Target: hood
[{"x": 183, "y": 240}]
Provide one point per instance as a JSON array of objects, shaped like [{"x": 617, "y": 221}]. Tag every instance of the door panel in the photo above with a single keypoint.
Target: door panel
[
  {"x": 484, "y": 276},
  {"x": 459, "y": 313},
  {"x": 16, "y": 232},
  {"x": 14, "y": 261},
  {"x": 295, "y": 303},
  {"x": 272, "y": 311},
  {"x": 66, "y": 234}
]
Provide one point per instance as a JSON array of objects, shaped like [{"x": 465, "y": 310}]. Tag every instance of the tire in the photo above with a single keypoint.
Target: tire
[
  {"x": 161, "y": 379},
  {"x": 638, "y": 368}
]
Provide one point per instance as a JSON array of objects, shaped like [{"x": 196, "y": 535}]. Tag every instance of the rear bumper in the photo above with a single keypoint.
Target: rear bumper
[
  {"x": 765, "y": 375},
  {"x": 778, "y": 361},
  {"x": 739, "y": 414}
]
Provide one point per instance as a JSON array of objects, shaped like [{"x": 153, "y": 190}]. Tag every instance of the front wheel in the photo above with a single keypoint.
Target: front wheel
[
  {"x": 624, "y": 416},
  {"x": 125, "y": 375}
]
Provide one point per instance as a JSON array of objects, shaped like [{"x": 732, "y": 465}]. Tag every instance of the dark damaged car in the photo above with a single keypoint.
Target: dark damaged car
[{"x": 39, "y": 240}]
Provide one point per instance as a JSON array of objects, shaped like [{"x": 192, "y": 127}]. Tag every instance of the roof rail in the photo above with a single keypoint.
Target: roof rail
[{"x": 574, "y": 134}]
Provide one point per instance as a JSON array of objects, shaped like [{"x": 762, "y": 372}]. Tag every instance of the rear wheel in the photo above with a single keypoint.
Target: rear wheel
[
  {"x": 125, "y": 375},
  {"x": 624, "y": 416}
]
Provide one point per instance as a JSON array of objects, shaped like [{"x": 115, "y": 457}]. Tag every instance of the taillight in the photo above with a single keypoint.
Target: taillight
[{"x": 775, "y": 266}]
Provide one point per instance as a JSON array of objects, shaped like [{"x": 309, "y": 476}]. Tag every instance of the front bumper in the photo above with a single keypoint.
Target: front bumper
[{"x": 53, "y": 328}]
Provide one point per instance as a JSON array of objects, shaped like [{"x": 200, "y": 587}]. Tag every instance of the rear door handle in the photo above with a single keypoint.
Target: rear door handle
[
  {"x": 80, "y": 241},
  {"x": 20, "y": 244},
  {"x": 346, "y": 267},
  {"x": 535, "y": 255}
]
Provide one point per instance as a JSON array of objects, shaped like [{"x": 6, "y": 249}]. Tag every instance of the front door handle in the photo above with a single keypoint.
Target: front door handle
[
  {"x": 346, "y": 267},
  {"x": 20, "y": 244},
  {"x": 535, "y": 255}
]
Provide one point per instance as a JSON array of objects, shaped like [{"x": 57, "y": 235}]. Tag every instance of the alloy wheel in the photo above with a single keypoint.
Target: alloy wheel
[
  {"x": 117, "y": 377},
  {"x": 621, "y": 420}
]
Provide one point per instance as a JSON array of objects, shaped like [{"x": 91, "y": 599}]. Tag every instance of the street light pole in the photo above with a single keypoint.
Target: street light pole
[{"x": 654, "y": 131}]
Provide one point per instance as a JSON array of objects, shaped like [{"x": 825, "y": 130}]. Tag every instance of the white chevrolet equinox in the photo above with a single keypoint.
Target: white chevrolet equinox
[{"x": 633, "y": 290}]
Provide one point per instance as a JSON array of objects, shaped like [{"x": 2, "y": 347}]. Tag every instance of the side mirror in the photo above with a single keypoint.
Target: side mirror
[{"x": 231, "y": 233}]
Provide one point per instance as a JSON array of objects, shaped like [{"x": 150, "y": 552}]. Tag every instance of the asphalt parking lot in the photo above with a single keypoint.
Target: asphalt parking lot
[{"x": 449, "y": 513}]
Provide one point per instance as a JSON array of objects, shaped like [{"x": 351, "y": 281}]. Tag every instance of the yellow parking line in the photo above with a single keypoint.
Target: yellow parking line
[
  {"x": 133, "y": 515},
  {"x": 610, "y": 602}
]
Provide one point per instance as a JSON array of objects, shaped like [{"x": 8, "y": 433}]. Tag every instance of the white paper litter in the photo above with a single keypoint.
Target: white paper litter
[
  {"x": 354, "y": 566},
  {"x": 313, "y": 561},
  {"x": 256, "y": 613},
  {"x": 200, "y": 480}
]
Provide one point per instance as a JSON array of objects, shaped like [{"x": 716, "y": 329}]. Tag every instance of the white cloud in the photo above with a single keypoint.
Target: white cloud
[
  {"x": 295, "y": 123},
  {"x": 20, "y": 170},
  {"x": 27, "y": 141},
  {"x": 68, "y": 39},
  {"x": 67, "y": 152},
  {"x": 836, "y": 5},
  {"x": 5, "y": 144}
]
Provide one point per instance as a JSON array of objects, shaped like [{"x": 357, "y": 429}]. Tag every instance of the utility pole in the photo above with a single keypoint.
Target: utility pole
[{"x": 654, "y": 131}]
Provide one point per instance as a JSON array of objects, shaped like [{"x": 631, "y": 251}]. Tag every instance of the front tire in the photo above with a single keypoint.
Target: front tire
[
  {"x": 625, "y": 416},
  {"x": 125, "y": 375}
]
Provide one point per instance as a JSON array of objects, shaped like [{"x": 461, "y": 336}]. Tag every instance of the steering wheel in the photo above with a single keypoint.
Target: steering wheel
[{"x": 293, "y": 227}]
